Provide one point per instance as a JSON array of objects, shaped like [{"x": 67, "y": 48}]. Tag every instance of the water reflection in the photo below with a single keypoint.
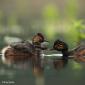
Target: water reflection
[
  {"x": 59, "y": 64},
  {"x": 37, "y": 64},
  {"x": 35, "y": 73}
]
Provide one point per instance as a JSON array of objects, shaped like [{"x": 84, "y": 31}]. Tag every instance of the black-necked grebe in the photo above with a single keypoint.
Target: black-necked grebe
[
  {"x": 23, "y": 51},
  {"x": 63, "y": 48},
  {"x": 78, "y": 53}
]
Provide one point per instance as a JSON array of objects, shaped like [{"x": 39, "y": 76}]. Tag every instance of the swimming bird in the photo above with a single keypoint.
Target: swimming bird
[
  {"x": 23, "y": 51},
  {"x": 62, "y": 47},
  {"x": 78, "y": 52}
]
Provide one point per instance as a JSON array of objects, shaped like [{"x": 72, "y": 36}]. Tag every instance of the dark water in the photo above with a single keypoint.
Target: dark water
[{"x": 71, "y": 74}]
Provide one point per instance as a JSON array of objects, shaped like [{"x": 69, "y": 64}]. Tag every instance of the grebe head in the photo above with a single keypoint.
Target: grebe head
[
  {"x": 39, "y": 41},
  {"x": 38, "y": 38},
  {"x": 60, "y": 46}
]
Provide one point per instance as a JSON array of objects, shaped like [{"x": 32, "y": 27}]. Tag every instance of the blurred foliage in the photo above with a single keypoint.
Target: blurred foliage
[
  {"x": 50, "y": 12},
  {"x": 12, "y": 21},
  {"x": 25, "y": 18},
  {"x": 80, "y": 27},
  {"x": 71, "y": 9},
  {"x": 50, "y": 16}
]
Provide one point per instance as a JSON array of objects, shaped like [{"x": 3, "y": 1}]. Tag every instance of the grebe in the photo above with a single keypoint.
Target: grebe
[
  {"x": 39, "y": 41},
  {"x": 23, "y": 51},
  {"x": 63, "y": 48},
  {"x": 40, "y": 44},
  {"x": 79, "y": 53}
]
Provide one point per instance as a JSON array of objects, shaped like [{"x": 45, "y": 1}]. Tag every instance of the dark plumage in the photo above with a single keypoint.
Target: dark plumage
[
  {"x": 24, "y": 46},
  {"x": 78, "y": 53},
  {"x": 17, "y": 53},
  {"x": 62, "y": 47},
  {"x": 24, "y": 51}
]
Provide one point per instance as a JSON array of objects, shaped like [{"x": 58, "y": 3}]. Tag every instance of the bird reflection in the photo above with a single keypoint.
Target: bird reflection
[
  {"x": 38, "y": 71},
  {"x": 58, "y": 64}
]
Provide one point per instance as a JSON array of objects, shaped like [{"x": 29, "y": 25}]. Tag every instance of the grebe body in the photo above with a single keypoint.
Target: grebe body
[
  {"x": 12, "y": 55},
  {"x": 24, "y": 51}
]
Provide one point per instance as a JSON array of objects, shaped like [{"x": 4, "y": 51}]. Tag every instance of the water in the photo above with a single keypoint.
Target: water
[{"x": 24, "y": 74}]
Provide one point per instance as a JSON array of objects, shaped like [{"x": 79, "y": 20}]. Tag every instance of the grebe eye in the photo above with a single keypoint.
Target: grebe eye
[
  {"x": 59, "y": 46},
  {"x": 36, "y": 39}
]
